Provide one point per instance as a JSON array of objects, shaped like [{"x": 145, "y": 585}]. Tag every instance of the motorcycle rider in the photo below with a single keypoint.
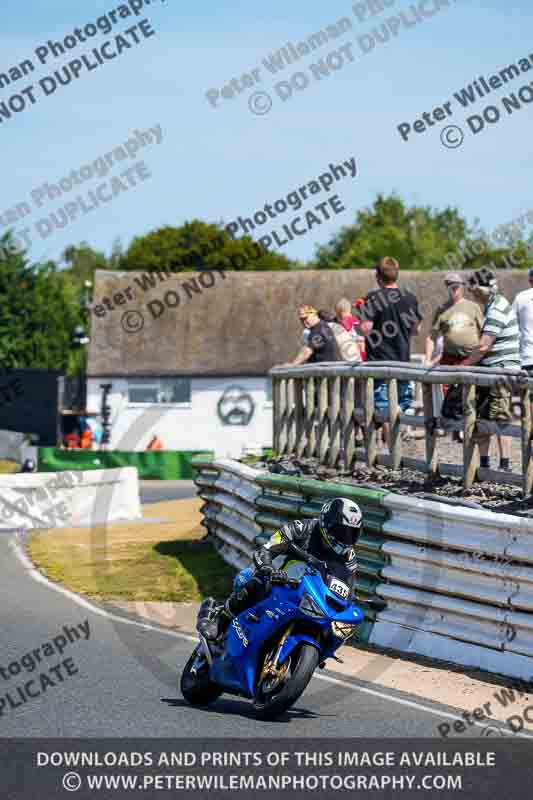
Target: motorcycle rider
[{"x": 330, "y": 537}]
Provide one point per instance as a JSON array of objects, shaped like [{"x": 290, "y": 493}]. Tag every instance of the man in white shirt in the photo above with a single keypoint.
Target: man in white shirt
[{"x": 523, "y": 309}]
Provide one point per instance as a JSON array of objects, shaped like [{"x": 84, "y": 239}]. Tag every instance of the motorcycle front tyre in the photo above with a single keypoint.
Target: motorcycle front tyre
[
  {"x": 197, "y": 689},
  {"x": 305, "y": 661}
]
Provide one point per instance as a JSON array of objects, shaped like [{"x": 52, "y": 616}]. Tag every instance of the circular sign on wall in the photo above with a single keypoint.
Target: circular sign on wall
[{"x": 235, "y": 406}]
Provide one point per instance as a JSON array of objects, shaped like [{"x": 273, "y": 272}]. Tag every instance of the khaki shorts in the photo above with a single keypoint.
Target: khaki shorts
[{"x": 494, "y": 403}]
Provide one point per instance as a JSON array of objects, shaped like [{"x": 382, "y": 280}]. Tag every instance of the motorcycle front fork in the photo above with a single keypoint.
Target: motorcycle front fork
[
  {"x": 203, "y": 654},
  {"x": 270, "y": 667}
]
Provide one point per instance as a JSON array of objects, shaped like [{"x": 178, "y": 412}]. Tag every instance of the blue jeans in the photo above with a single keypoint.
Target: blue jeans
[{"x": 381, "y": 395}]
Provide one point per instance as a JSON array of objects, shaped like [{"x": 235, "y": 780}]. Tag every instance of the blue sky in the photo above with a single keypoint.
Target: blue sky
[{"x": 218, "y": 163}]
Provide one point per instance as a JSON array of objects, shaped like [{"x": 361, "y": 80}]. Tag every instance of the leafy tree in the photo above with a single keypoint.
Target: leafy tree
[
  {"x": 198, "y": 245},
  {"x": 82, "y": 261},
  {"x": 419, "y": 237},
  {"x": 117, "y": 253},
  {"x": 478, "y": 251},
  {"x": 40, "y": 309}
]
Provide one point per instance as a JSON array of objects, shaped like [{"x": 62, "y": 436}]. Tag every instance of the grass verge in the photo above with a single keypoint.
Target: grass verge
[
  {"x": 8, "y": 467},
  {"x": 159, "y": 561}
]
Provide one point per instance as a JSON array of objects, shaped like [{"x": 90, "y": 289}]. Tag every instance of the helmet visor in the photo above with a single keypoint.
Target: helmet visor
[
  {"x": 343, "y": 537},
  {"x": 345, "y": 534}
]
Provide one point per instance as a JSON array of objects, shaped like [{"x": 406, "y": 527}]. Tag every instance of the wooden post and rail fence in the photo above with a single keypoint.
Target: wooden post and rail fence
[{"x": 319, "y": 408}]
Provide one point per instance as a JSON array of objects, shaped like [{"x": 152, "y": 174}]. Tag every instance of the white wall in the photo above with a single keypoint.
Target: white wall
[{"x": 192, "y": 427}]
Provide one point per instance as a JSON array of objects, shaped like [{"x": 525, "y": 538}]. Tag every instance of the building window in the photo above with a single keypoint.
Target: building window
[{"x": 149, "y": 391}]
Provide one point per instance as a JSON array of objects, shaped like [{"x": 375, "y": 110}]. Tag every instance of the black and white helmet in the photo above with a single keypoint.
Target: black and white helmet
[{"x": 341, "y": 522}]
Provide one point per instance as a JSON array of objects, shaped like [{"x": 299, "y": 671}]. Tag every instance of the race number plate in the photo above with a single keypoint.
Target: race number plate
[{"x": 339, "y": 588}]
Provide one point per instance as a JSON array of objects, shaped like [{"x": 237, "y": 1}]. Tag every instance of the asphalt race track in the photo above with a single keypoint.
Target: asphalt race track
[
  {"x": 158, "y": 491},
  {"x": 126, "y": 682}
]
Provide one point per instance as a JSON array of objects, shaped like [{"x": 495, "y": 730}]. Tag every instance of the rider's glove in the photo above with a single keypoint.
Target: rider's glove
[
  {"x": 263, "y": 560},
  {"x": 278, "y": 576}
]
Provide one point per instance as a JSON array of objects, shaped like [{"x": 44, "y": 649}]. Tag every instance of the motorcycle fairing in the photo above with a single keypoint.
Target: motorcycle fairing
[{"x": 236, "y": 668}]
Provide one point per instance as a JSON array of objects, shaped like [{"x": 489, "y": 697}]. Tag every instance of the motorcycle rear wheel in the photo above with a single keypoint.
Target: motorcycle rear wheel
[
  {"x": 197, "y": 689},
  {"x": 304, "y": 661}
]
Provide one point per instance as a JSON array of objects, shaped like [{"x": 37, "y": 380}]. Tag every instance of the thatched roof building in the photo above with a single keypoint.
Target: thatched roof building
[{"x": 235, "y": 323}]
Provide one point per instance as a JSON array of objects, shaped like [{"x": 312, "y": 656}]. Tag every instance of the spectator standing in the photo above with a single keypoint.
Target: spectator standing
[
  {"x": 523, "y": 308},
  {"x": 343, "y": 314},
  {"x": 319, "y": 344},
  {"x": 390, "y": 317},
  {"x": 458, "y": 323},
  {"x": 344, "y": 336},
  {"x": 351, "y": 324},
  {"x": 352, "y": 347},
  {"x": 499, "y": 347}
]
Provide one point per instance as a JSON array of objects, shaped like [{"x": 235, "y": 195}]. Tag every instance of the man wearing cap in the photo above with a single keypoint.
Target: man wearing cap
[
  {"x": 523, "y": 308},
  {"x": 319, "y": 343},
  {"x": 459, "y": 321},
  {"x": 499, "y": 348},
  {"x": 457, "y": 324}
]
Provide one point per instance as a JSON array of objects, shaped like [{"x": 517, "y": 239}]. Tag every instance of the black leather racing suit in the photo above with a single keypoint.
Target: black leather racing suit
[{"x": 306, "y": 535}]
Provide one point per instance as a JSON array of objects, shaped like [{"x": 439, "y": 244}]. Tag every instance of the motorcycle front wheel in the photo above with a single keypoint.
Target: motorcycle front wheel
[
  {"x": 272, "y": 700},
  {"x": 195, "y": 686}
]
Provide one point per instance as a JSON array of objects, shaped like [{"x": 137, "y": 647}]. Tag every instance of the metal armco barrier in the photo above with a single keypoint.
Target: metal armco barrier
[{"x": 458, "y": 582}]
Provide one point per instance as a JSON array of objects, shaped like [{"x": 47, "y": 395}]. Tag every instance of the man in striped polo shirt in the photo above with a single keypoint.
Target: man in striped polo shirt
[{"x": 499, "y": 347}]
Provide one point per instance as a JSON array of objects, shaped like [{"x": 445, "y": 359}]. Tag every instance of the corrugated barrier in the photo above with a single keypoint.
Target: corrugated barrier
[{"x": 458, "y": 582}]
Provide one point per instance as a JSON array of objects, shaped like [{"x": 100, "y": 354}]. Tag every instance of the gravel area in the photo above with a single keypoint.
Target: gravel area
[{"x": 484, "y": 495}]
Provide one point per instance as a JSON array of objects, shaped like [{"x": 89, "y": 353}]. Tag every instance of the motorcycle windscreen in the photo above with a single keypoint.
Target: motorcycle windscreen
[{"x": 295, "y": 569}]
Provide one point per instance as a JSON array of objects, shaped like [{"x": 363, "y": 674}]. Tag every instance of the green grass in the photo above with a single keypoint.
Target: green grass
[
  {"x": 136, "y": 562},
  {"x": 8, "y": 467}
]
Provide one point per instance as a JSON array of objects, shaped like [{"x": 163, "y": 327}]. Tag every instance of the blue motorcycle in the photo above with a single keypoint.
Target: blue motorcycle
[{"x": 271, "y": 650}]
